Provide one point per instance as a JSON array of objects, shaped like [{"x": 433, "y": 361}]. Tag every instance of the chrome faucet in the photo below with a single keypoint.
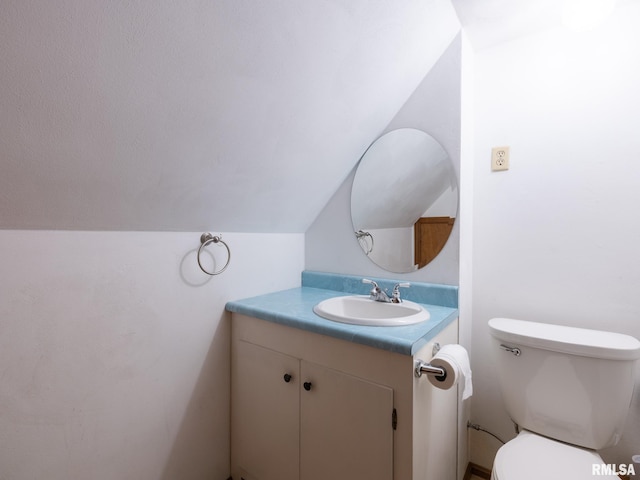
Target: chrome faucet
[
  {"x": 395, "y": 295},
  {"x": 379, "y": 295}
]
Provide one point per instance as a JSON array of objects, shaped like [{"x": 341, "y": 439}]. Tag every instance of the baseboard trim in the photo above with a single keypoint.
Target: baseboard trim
[{"x": 478, "y": 471}]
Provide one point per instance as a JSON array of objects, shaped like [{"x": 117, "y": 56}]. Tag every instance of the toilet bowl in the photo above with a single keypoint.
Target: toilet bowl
[
  {"x": 533, "y": 457},
  {"x": 568, "y": 389}
]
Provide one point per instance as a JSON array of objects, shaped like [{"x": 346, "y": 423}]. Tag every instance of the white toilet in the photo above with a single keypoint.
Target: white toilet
[{"x": 568, "y": 389}]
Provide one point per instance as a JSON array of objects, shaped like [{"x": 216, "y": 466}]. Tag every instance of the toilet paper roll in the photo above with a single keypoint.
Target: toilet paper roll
[{"x": 455, "y": 361}]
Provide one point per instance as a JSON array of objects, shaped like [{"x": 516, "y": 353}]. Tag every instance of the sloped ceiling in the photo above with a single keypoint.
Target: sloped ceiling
[
  {"x": 490, "y": 22},
  {"x": 230, "y": 115}
]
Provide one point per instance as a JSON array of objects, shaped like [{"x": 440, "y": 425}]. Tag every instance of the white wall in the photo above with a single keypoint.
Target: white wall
[
  {"x": 434, "y": 107},
  {"x": 465, "y": 291},
  {"x": 114, "y": 351},
  {"x": 142, "y": 115},
  {"x": 393, "y": 246},
  {"x": 556, "y": 238}
]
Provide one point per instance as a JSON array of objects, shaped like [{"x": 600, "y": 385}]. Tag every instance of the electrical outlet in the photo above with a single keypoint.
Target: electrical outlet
[{"x": 499, "y": 158}]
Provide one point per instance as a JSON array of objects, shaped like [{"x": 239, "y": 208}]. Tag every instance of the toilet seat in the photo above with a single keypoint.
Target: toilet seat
[{"x": 532, "y": 457}]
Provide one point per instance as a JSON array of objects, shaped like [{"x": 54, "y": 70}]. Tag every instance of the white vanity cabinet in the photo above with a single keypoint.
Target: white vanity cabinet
[
  {"x": 293, "y": 415},
  {"x": 307, "y": 406}
]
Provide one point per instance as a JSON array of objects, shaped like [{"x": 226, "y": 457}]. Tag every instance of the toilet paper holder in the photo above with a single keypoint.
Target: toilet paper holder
[{"x": 424, "y": 367}]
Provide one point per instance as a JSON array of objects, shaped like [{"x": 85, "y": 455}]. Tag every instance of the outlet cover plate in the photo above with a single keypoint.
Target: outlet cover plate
[{"x": 499, "y": 158}]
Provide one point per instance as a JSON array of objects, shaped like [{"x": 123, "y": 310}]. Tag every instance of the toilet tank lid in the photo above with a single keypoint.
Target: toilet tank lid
[{"x": 571, "y": 340}]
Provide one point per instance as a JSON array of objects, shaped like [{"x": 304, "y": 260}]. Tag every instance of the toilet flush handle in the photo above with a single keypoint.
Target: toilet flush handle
[{"x": 515, "y": 350}]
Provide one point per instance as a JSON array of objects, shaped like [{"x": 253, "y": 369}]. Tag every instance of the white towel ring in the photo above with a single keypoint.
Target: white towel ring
[{"x": 206, "y": 239}]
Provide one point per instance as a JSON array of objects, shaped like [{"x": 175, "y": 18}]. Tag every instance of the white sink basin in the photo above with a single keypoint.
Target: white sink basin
[{"x": 361, "y": 310}]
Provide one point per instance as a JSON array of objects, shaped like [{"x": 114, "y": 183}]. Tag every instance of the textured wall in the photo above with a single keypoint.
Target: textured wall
[
  {"x": 146, "y": 115},
  {"x": 114, "y": 351},
  {"x": 434, "y": 108},
  {"x": 556, "y": 237}
]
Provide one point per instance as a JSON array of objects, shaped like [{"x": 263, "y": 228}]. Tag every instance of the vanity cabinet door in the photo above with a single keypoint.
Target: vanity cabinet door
[
  {"x": 265, "y": 414},
  {"x": 346, "y": 427}
]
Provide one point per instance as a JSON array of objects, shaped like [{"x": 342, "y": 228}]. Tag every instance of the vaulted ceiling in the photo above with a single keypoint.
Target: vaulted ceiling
[
  {"x": 233, "y": 115},
  {"x": 491, "y": 22}
]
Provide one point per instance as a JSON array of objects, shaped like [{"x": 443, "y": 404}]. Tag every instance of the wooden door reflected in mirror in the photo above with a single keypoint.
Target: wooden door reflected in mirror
[{"x": 430, "y": 236}]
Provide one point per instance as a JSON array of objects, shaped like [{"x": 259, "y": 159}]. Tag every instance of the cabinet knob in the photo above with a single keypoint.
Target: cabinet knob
[
  {"x": 307, "y": 386},
  {"x": 287, "y": 377}
]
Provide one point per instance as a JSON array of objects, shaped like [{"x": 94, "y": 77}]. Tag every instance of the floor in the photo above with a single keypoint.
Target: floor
[{"x": 476, "y": 472}]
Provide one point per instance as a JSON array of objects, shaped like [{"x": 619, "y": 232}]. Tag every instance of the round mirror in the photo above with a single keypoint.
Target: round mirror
[{"x": 404, "y": 200}]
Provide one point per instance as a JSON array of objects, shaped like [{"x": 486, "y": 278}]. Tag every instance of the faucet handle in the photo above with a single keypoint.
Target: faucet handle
[
  {"x": 375, "y": 289},
  {"x": 395, "y": 295},
  {"x": 371, "y": 282}
]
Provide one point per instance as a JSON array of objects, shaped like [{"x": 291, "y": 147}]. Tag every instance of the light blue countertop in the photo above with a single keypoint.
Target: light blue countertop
[{"x": 294, "y": 307}]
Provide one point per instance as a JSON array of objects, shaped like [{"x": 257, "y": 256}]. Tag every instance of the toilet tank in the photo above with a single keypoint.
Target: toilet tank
[{"x": 571, "y": 384}]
